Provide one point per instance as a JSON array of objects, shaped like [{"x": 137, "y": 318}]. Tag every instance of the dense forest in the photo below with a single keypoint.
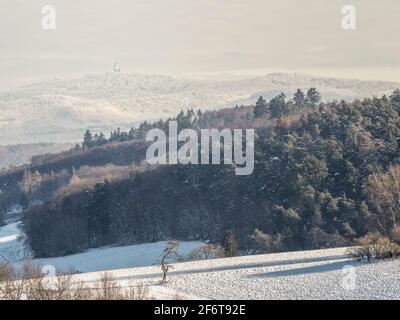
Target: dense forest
[{"x": 325, "y": 174}]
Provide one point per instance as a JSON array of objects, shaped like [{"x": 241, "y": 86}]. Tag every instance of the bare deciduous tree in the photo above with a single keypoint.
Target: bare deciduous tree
[
  {"x": 206, "y": 251},
  {"x": 28, "y": 283},
  {"x": 170, "y": 251},
  {"x": 383, "y": 192}
]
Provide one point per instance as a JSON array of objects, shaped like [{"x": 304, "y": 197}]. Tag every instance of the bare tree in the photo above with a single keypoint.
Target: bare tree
[
  {"x": 206, "y": 251},
  {"x": 108, "y": 289},
  {"x": 170, "y": 251},
  {"x": 30, "y": 181},
  {"x": 384, "y": 193},
  {"x": 28, "y": 283}
]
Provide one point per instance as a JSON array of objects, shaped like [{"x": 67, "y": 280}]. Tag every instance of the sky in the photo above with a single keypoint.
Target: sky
[{"x": 198, "y": 38}]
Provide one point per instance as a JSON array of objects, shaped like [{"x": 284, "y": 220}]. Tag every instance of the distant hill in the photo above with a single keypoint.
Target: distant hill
[
  {"x": 16, "y": 155},
  {"x": 60, "y": 110}
]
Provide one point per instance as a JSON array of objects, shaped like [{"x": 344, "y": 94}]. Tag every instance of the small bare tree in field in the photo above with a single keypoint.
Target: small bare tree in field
[
  {"x": 108, "y": 288},
  {"x": 170, "y": 251}
]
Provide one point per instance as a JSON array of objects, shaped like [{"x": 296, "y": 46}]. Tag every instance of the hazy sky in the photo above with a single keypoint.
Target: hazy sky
[{"x": 198, "y": 37}]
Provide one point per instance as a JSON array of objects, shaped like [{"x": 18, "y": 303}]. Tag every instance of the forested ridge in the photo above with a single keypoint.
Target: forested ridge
[{"x": 325, "y": 174}]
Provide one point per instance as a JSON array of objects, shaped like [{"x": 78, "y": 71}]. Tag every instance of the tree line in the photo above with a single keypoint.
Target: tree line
[
  {"x": 321, "y": 181},
  {"x": 278, "y": 107}
]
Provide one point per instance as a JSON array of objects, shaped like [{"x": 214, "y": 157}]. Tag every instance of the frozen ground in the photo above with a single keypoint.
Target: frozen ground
[
  {"x": 115, "y": 257},
  {"x": 12, "y": 249},
  {"x": 319, "y": 274},
  {"x": 296, "y": 275}
]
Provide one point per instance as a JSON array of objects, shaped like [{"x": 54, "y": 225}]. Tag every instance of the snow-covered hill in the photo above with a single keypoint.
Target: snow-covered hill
[
  {"x": 60, "y": 110},
  {"x": 19, "y": 154},
  {"x": 317, "y": 274}
]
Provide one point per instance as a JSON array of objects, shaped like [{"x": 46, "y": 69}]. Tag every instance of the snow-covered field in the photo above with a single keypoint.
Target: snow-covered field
[
  {"x": 12, "y": 249},
  {"x": 319, "y": 274}
]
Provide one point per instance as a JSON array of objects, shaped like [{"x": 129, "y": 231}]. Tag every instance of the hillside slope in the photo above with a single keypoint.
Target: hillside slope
[
  {"x": 60, "y": 110},
  {"x": 311, "y": 186},
  {"x": 15, "y": 155},
  {"x": 315, "y": 274}
]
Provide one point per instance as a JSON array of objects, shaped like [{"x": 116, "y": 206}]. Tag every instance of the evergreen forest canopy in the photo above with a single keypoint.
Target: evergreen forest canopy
[{"x": 325, "y": 174}]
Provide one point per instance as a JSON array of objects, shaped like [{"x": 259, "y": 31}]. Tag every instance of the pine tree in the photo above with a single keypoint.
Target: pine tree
[
  {"x": 278, "y": 106},
  {"x": 87, "y": 139},
  {"x": 98, "y": 214},
  {"x": 261, "y": 108},
  {"x": 299, "y": 98},
  {"x": 313, "y": 96},
  {"x": 230, "y": 244},
  {"x": 395, "y": 99},
  {"x": 101, "y": 139}
]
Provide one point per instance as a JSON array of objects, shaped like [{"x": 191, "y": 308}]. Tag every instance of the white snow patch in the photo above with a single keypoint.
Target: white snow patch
[
  {"x": 11, "y": 247},
  {"x": 107, "y": 258},
  {"x": 314, "y": 274},
  {"x": 8, "y": 239}
]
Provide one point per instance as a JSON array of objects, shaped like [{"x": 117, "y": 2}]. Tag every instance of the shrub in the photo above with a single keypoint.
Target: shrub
[
  {"x": 374, "y": 245},
  {"x": 261, "y": 242},
  {"x": 230, "y": 245},
  {"x": 206, "y": 252},
  {"x": 29, "y": 283},
  {"x": 396, "y": 235}
]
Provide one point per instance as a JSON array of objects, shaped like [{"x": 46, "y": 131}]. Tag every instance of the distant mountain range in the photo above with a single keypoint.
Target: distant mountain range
[{"x": 60, "y": 110}]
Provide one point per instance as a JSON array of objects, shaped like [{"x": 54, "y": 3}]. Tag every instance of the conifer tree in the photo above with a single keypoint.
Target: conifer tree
[
  {"x": 261, "y": 108},
  {"x": 299, "y": 98},
  {"x": 313, "y": 96},
  {"x": 395, "y": 99},
  {"x": 230, "y": 244},
  {"x": 278, "y": 106},
  {"x": 98, "y": 214},
  {"x": 87, "y": 139}
]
